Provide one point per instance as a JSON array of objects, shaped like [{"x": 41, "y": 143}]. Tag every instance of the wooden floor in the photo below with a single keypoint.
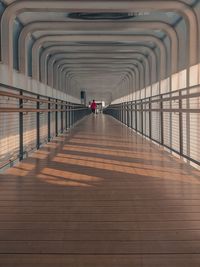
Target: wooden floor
[{"x": 100, "y": 196}]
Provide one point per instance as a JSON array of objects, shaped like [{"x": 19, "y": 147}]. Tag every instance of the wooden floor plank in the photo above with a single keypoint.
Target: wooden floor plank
[{"x": 105, "y": 235}]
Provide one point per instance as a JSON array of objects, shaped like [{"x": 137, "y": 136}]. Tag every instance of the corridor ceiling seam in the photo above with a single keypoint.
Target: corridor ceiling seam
[
  {"x": 45, "y": 55},
  {"x": 126, "y": 67},
  {"x": 47, "y": 62},
  {"x": 129, "y": 72},
  {"x": 35, "y": 50},
  {"x": 109, "y": 64},
  {"x": 169, "y": 31},
  {"x": 130, "y": 69},
  {"x": 55, "y": 60},
  {"x": 63, "y": 60},
  {"x": 126, "y": 6},
  {"x": 126, "y": 76}
]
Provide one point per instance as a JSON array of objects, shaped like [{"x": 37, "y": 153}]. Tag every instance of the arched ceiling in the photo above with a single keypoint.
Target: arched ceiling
[{"x": 107, "y": 48}]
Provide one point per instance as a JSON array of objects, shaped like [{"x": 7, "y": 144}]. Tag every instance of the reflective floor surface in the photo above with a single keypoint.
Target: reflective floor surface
[{"x": 100, "y": 196}]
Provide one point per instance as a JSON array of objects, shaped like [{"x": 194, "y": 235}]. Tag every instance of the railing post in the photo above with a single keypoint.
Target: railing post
[
  {"x": 180, "y": 124},
  {"x": 21, "y": 141},
  {"x": 128, "y": 115},
  {"x": 70, "y": 119},
  {"x": 150, "y": 119},
  {"x": 136, "y": 115},
  {"x": 38, "y": 123},
  {"x": 66, "y": 120},
  {"x": 69, "y": 115},
  {"x": 161, "y": 122},
  {"x": 56, "y": 118},
  {"x": 61, "y": 117},
  {"x": 122, "y": 112},
  {"x": 73, "y": 114},
  {"x": 142, "y": 130},
  {"x": 49, "y": 120},
  {"x": 131, "y": 115}
]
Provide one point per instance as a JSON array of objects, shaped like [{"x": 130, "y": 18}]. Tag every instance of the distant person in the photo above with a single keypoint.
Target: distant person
[{"x": 93, "y": 106}]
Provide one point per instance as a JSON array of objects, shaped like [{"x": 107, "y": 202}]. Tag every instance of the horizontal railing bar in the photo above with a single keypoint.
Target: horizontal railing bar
[
  {"x": 25, "y": 97},
  {"x": 4, "y": 110},
  {"x": 161, "y": 110},
  {"x": 32, "y": 99}
]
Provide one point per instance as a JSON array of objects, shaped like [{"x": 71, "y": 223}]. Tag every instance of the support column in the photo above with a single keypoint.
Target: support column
[{"x": 56, "y": 118}]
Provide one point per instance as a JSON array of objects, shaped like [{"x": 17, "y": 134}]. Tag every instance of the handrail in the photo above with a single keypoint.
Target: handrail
[
  {"x": 32, "y": 99},
  {"x": 52, "y": 117},
  {"x": 162, "y": 99},
  {"x": 5, "y": 110},
  {"x": 165, "y": 119}
]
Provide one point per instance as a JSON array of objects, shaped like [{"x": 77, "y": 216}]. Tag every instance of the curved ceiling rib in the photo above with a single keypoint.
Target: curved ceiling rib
[
  {"x": 98, "y": 6},
  {"x": 111, "y": 27},
  {"x": 111, "y": 49},
  {"x": 57, "y": 52},
  {"x": 98, "y": 38},
  {"x": 114, "y": 61}
]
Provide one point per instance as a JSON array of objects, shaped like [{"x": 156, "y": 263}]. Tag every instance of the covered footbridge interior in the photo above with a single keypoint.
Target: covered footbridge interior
[{"x": 112, "y": 189}]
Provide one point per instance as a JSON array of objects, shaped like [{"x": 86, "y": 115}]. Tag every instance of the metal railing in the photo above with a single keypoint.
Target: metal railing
[
  {"x": 28, "y": 120},
  {"x": 171, "y": 119}
]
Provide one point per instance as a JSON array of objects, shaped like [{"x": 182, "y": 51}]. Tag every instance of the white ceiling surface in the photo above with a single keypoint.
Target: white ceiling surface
[{"x": 97, "y": 79}]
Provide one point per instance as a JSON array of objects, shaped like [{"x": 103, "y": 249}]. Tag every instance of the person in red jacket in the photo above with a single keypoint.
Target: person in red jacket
[{"x": 93, "y": 106}]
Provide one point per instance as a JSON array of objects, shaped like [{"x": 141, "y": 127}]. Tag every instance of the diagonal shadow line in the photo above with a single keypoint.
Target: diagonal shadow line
[
  {"x": 63, "y": 141},
  {"x": 121, "y": 158},
  {"x": 103, "y": 139},
  {"x": 101, "y": 143},
  {"x": 69, "y": 179},
  {"x": 124, "y": 172},
  {"x": 115, "y": 164},
  {"x": 107, "y": 174},
  {"x": 114, "y": 148},
  {"x": 58, "y": 150},
  {"x": 105, "y": 149}
]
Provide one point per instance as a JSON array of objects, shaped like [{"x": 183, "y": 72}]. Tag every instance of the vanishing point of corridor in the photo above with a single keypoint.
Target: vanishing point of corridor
[{"x": 100, "y": 195}]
